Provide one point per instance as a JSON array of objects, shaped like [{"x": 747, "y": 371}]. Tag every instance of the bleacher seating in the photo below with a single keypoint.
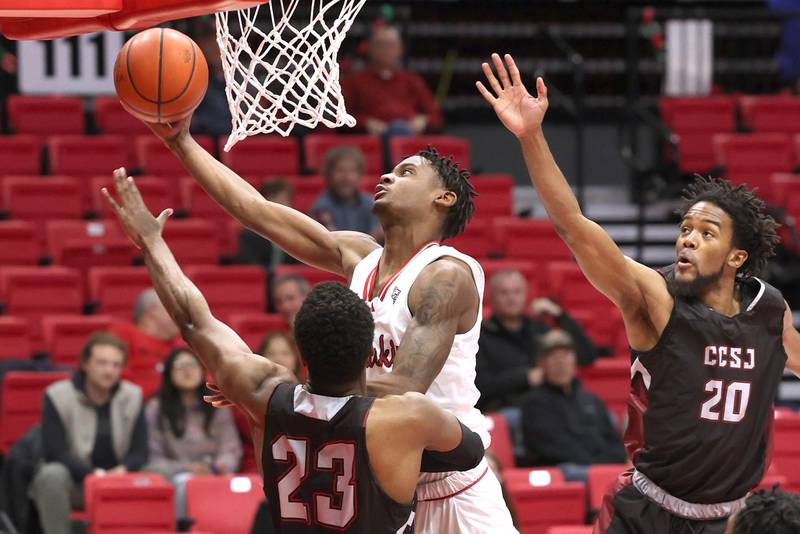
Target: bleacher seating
[
  {"x": 111, "y": 118},
  {"x": 495, "y": 195},
  {"x": 263, "y": 155},
  {"x": 20, "y": 154},
  {"x": 530, "y": 239},
  {"x": 235, "y": 289},
  {"x": 65, "y": 335},
  {"x": 193, "y": 241},
  {"x": 771, "y": 113},
  {"x": 752, "y": 158},
  {"x": 158, "y": 194},
  {"x": 134, "y": 502},
  {"x": 541, "y": 506},
  {"x": 252, "y": 327},
  {"x": 153, "y": 157},
  {"x": 20, "y": 243},
  {"x": 403, "y": 146},
  {"x": 211, "y": 499},
  {"x": 316, "y": 145},
  {"x": 46, "y": 115},
  {"x": 306, "y": 191},
  {"x": 198, "y": 203},
  {"x": 21, "y": 403},
  {"x": 785, "y": 453},
  {"x": 501, "y": 444},
  {"x": 113, "y": 290},
  {"x": 85, "y": 244},
  {"x": 609, "y": 379},
  {"x": 600, "y": 479},
  {"x": 87, "y": 155},
  {"x": 15, "y": 338},
  {"x": 37, "y": 199},
  {"x": 475, "y": 240}
]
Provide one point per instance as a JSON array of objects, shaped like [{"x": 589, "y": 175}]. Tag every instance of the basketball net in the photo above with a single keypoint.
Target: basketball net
[{"x": 286, "y": 73}]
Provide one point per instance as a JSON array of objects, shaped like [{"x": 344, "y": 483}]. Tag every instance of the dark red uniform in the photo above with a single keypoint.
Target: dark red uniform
[
  {"x": 317, "y": 476},
  {"x": 700, "y": 416}
]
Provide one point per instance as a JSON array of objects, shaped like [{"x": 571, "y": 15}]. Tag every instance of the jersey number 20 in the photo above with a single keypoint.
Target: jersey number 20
[
  {"x": 734, "y": 405},
  {"x": 337, "y": 457}
]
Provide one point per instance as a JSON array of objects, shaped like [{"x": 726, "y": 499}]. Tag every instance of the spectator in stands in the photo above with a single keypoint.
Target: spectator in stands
[
  {"x": 384, "y": 98},
  {"x": 187, "y": 435},
  {"x": 507, "y": 365},
  {"x": 254, "y": 249},
  {"x": 562, "y": 423},
  {"x": 91, "y": 423},
  {"x": 288, "y": 293},
  {"x": 153, "y": 334},
  {"x": 280, "y": 348},
  {"x": 789, "y": 51},
  {"x": 212, "y": 116},
  {"x": 342, "y": 205},
  {"x": 774, "y": 511}
]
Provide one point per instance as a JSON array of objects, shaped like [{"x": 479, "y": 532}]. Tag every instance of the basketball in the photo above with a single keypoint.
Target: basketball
[{"x": 160, "y": 75}]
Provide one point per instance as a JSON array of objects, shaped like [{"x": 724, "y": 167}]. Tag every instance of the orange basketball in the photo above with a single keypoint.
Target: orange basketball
[{"x": 160, "y": 75}]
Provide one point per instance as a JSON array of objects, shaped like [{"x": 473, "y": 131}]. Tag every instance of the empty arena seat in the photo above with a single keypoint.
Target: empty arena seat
[
  {"x": 114, "y": 290},
  {"x": 312, "y": 274},
  {"x": 785, "y": 452},
  {"x": 193, "y": 241},
  {"x": 46, "y": 115},
  {"x": 501, "y": 444},
  {"x": 111, "y": 118},
  {"x": 20, "y": 154},
  {"x": 133, "y": 502},
  {"x": 15, "y": 338},
  {"x": 153, "y": 157},
  {"x": 495, "y": 195},
  {"x": 315, "y": 146},
  {"x": 605, "y": 327},
  {"x": 19, "y": 243},
  {"x": 306, "y": 191},
  {"x": 572, "y": 290},
  {"x": 403, "y": 146},
  {"x": 771, "y": 113},
  {"x": 87, "y": 155},
  {"x": 752, "y": 158},
  {"x": 231, "y": 289},
  {"x": 85, "y": 244},
  {"x": 533, "y": 239},
  {"x": 37, "y": 199},
  {"x": 65, "y": 335},
  {"x": 158, "y": 194},
  {"x": 210, "y": 500},
  {"x": 609, "y": 379},
  {"x": 199, "y": 203},
  {"x": 21, "y": 404},
  {"x": 600, "y": 479},
  {"x": 252, "y": 327},
  {"x": 263, "y": 155},
  {"x": 784, "y": 187},
  {"x": 475, "y": 240},
  {"x": 541, "y": 506}
]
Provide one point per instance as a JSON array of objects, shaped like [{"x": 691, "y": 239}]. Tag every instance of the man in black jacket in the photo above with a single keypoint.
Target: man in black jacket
[
  {"x": 562, "y": 423},
  {"x": 507, "y": 365}
]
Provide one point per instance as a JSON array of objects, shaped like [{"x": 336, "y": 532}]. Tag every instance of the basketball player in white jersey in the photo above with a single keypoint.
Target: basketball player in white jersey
[{"x": 426, "y": 300}]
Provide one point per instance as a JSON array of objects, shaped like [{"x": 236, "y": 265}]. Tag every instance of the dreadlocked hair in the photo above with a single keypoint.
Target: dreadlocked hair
[
  {"x": 773, "y": 511},
  {"x": 753, "y": 230},
  {"x": 457, "y": 181}
]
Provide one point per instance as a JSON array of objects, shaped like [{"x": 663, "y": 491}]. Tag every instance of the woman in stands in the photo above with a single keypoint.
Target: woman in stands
[{"x": 187, "y": 436}]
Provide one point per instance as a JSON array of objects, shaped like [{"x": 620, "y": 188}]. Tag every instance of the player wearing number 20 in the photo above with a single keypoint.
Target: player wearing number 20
[{"x": 709, "y": 340}]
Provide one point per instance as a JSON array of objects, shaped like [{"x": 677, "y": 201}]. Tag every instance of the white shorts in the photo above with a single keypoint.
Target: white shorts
[{"x": 469, "y": 502}]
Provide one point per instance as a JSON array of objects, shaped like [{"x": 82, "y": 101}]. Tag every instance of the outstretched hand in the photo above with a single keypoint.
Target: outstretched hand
[
  {"x": 519, "y": 112},
  {"x": 216, "y": 398},
  {"x": 171, "y": 132},
  {"x": 132, "y": 212}
]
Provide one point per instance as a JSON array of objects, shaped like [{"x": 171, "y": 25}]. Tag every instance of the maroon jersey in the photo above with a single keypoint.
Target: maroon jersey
[
  {"x": 702, "y": 399},
  {"x": 317, "y": 476}
]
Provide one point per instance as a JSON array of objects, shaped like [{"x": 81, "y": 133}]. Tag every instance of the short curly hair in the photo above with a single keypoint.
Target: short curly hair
[
  {"x": 753, "y": 230},
  {"x": 333, "y": 330},
  {"x": 457, "y": 181},
  {"x": 773, "y": 511}
]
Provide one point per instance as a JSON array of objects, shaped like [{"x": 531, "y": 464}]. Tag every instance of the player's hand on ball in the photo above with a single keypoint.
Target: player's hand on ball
[
  {"x": 131, "y": 211},
  {"x": 520, "y": 112},
  {"x": 173, "y": 132}
]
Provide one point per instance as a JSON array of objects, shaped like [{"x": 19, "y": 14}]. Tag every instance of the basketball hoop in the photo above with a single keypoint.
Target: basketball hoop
[{"x": 286, "y": 73}]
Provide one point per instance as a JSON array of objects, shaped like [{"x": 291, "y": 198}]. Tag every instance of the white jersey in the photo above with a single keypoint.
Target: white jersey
[{"x": 454, "y": 387}]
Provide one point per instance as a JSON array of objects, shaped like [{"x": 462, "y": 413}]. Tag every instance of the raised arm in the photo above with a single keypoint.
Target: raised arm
[
  {"x": 245, "y": 379},
  {"x": 627, "y": 283},
  {"x": 296, "y": 233},
  {"x": 443, "y": 302},
  {"x": 791, "y": 342}
]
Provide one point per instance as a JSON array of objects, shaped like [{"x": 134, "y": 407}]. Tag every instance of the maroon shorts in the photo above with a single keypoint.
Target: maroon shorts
[{"x": 626, "y": 511}]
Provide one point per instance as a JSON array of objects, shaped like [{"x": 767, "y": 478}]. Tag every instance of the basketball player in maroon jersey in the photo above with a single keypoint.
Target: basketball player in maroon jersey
[
  {"x": 333, "y": 460},
  {"x": 709, "y": 341}
]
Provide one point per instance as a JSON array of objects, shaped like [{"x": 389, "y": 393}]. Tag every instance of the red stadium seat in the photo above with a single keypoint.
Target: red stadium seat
[
  {"x": 46, "y": 115},
  {"x": 403, "y": 146},
  {"x": 796, "y": 148},
  {"x": 306, "y": 191},
  {"x": 111, "y": 118},
  {"x": 570, "y": 529},
  {"x": 158, "y": 193},
  {"x": 313, "y": 275},
  {"x": 198, "y": 203},
  {"x": 85, "y": 244},
  {"x": 193, "y": 241},
  {"x": 252, "y": 327},
  {"x": 234, "y": 289},
  {"x": 752, "y": 158},
  {"x": 114, "y": 290},
  {"x": 771, "y": 113},
  {"x": 134, "y": 502},
  {"x": 20, "y": 154},
  {"x": 495, "y": 195},
  {"x": 263, "y": 155},
  {"x": 785, "y": 453},
  {"x": 501, "y": 440},
  {"x": 19, "y": 243},
  {"x": 475, "y": 240},
  {"x": 572, "y": 290},
  {"x": 540, "y": 507},
  {"x": 15, "y": 338},
  {"x": 534, "y": 476},
  {"x": 315, "y": 147},
  {"x": 153, "y": 157},
  {"x": 533, "y": 239},
  {"x": 230, "y": 244},
  {"x": 601, "y": 477},
  {"x": 38, "y": 199},
  {"x": 609, "y": 379},
  {"x": 32, "y": 292},
  {"x": 605, "y": 327},
  {"x": 149, "y": 379},
  {"x": 65, "y": 335},
  {"x": 784, "y": 187},
  {"x": 210, "y": 500},
  {"x": 87, "y": 155},
  {"x": 21, "y": 405}
]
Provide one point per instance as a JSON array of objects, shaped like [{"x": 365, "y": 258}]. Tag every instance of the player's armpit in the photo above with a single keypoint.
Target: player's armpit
[
  {"x": 442, "y": 301},
  {"x": 791, "y": 342}
]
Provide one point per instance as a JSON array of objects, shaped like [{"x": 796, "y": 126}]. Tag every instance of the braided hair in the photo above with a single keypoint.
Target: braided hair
[{"x": 457, "y": 181}]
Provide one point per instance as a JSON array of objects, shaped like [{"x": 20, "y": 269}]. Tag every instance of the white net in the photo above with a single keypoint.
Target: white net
[{"x": 285, "y": 72}]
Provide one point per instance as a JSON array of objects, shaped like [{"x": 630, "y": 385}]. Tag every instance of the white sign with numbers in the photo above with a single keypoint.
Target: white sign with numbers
[{"x": 80, "y": 65}]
